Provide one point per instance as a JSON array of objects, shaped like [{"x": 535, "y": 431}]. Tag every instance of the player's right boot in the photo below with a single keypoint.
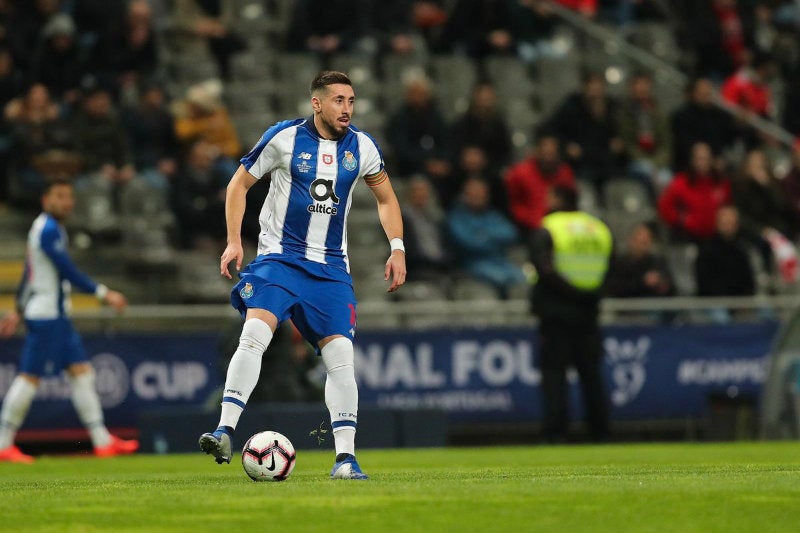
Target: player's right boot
[
  {"x": 347, "y": 468},
  {"x": 12, "y": 454},
  {"x": 218, "y": 444}
]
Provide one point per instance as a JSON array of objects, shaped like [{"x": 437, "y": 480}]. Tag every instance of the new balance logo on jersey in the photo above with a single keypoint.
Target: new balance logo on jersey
[{"x": 321, "y": 190}]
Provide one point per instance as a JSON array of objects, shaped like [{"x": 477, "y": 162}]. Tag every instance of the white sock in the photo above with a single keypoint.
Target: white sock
[
  {"x": 87, "y": 404},
  {"x": 341, "y": 393},
  {"x": 243, "y": 370},
  {"x": 15, "y": 407}
]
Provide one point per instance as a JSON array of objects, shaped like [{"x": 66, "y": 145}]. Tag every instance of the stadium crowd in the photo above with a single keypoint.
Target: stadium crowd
[{"x": 148, "y": 104}]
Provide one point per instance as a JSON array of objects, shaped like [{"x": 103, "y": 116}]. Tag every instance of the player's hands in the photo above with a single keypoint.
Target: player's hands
[
  {"x": 233, "y": 251},
  {"x": 9, "y": 324},
  {"x": 116, "y": 300},
  {"x": 396, "y": 268}
]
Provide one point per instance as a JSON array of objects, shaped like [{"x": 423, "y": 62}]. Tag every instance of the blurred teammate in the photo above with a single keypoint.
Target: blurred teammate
[
  {"x": 302, "y": 268},
  {"x": 43, "y": 300}
]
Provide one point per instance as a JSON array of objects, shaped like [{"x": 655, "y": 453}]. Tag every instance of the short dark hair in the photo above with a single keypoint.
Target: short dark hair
[
  {"x": 55, "y": 182},
  {"x": 329, "y": 77}
]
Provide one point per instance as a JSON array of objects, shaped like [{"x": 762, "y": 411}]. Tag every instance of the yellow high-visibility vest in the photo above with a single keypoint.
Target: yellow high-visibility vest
[{"x": 581, "y": 247}]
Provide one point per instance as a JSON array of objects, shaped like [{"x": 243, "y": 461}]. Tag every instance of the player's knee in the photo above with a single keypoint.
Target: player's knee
[
  {"x": 256, "y": 336},
  {"x": 338, "y": 354}
]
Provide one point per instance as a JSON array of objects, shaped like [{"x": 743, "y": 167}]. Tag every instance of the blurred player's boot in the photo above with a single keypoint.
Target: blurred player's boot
[
  {"x": 12, "y": 454},
  {"x": 217, "y": 444},
  {"x": 347, "y": 468},
  {"x": 117, "y": 446}
]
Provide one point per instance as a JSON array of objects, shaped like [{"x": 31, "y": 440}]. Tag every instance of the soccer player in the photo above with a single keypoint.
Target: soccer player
[
  {"x": 302, "y": 267},
  {"x": 43, "y": 300}
]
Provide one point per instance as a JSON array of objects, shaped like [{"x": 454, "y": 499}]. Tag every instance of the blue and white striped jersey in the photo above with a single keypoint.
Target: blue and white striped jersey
[
  {"x": 312, "y": 182},
  {"x": 44, "y": 293}
]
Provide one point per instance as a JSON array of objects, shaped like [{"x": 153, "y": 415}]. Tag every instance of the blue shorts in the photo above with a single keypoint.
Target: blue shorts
[
  {"x": 318, "y": 298},
  {"x": 50, "y": 347}
]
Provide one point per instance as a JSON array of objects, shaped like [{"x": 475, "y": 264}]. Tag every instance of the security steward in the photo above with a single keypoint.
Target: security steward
[{"x": 571, "y": 253}]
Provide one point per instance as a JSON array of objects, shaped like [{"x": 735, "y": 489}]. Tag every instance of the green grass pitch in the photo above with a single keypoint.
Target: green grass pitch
[{"x": 634, "y": 487}]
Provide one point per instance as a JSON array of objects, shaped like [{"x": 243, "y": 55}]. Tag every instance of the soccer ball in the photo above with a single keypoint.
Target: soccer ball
[{"x": 268, "y": 456}]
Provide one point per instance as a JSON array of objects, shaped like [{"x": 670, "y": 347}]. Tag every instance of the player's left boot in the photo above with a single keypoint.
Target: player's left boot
[
  {"x": 117, "y": 446},
  {"x": 217, "y": 444},
  {"x": 12, "y": 454},
  {"x": 347, "y": 468}
]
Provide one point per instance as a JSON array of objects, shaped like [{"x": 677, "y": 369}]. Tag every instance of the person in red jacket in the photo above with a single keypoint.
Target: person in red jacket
[
  {"x": 690, "y": 202},
  {"x": 749, "y": 87},
  {"x": 528, "y": 182}
]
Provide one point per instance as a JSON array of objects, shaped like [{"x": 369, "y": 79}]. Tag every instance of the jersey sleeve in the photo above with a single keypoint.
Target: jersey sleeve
[
  {"x": 54, "y": 246},
  {"x": 265, "y": 155},
  {"x": 23, "y": 289},
  {"x": 372, "y": 168}
]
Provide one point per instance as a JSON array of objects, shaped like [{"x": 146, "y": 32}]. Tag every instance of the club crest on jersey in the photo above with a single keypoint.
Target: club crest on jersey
[
  {"x": 327, "y": 159},
  {"x": 349, "y": 161},
  {"x": 246, "y": 291}
]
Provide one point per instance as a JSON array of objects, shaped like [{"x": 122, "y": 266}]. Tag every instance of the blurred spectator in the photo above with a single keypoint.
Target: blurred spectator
[
  {"x": 430, "y": 19},
  {"x": 12, "y": 81},
  {"x": 480, "y": 27},
  {"x": 100, "y": 136},
  {"x": 690, "y": 202},
  {"x": 623, "y": 12},
  {"x": 715, "y": 33},
  {"x": 791, "y": 102},
  {"x": 483, "y": 125},
  {"x": 418, "y": 134},
  {"x": 748, "y": 88},
  {"x": 208, "y": 24},
  {"x": 325, "y": 26},
  {"x": 586, "y": 124},
  {"x": 427, "y": 256},
  {"x": 198, "y": 197},
  {"x": 791, "y": 190},
  {"x": 645, "y": 131},
  {"x": 699, "y": 120},
  {"x": 533, "y": 24},
  {"x": 96, "y": 17},
  {"x": 481, "y": 238},
  {"x": 202, "y": 115},
  {"x": 759, "y": 199},
  {"x": 529, "y": 181},
  {"x": 57, "y": 61},
  {"x": 151, "y": 130},
  {"x": 391, "y": 25},
  {"x": 24, "y": 27},
  {"x": 41, "y": 144},
  {"x": 587, "y": 8},
  {"x": 473, "y": 162},
  {"x": 641, "y": 271},
  {"x": 11, "y": 85},
  {"x": 126, "y": 52},
  {"x": 723, "y": 265}
]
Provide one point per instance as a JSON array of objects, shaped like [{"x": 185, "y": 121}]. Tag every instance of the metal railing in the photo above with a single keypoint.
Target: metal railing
[{"x": 423, "y": 314}]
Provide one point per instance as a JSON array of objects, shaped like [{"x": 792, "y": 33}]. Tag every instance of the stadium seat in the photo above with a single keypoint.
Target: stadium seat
[
  {"x": 627, "y": 195},
  {"x": 454, "y": 77},
  {"x": 465, "y": 288},
  {"x": 510, "y": 76},
  {"x": 361, "y": 70},
  {"x": 249, "y": 97},
  {"x": 295, "y": 72}
]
